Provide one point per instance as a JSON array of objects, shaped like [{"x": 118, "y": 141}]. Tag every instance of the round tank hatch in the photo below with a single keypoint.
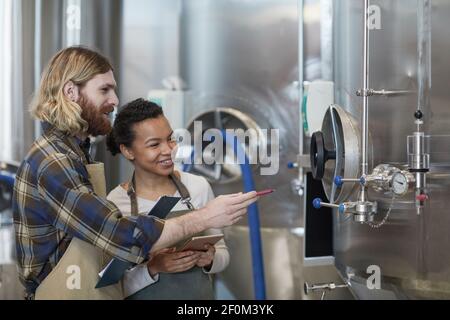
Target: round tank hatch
[
  {"x": 335, "y": 151},
  {"x": 251, "y": 140}
]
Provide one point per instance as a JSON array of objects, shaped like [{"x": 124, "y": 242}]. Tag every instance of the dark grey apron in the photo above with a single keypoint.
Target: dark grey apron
[{"x": 192, "y": 284}]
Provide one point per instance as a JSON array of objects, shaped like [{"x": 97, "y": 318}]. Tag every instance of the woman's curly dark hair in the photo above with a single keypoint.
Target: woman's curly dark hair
[{"x": 133, "y": 112}]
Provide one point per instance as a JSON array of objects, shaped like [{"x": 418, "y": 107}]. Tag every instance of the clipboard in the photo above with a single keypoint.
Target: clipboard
[
  {"x": 164, "y": 205},
  {"x": 112, "y": 273},
  {"x": 115, "y": 269},
  {"x": 198, "y": 243}
]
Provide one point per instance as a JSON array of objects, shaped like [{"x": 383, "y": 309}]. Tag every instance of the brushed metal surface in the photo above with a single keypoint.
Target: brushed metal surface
[
  {"x": 244, "y": 55},
  {"x": 282, "y": 266},
  {"x": 411, "y": 250},
  {"x": 228, "y": 54}
]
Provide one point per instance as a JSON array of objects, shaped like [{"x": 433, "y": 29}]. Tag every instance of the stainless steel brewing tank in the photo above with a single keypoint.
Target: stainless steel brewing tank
[
  {"x": 243, "y": 56},
  {"x": 228, "y": 60},
  {"x": 411, "y": 250}
]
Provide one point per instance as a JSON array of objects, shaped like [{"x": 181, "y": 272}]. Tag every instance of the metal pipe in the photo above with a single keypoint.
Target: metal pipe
[
  {"x": 365, "y": 113},
  {"x": 300, "y": 84},
  {"x": 424, "y": 54},
  {"x": 383, "y": 92},
  {"x": 420, "y": 162}
]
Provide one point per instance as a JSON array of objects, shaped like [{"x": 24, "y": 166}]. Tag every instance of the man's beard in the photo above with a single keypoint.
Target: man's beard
[{"x": 98, "y": 124}]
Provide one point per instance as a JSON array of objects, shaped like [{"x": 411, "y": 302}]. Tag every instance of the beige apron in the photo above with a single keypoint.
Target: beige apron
[{"x": 80, "y": 259}]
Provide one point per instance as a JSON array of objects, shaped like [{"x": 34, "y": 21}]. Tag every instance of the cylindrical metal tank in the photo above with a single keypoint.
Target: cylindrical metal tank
[
  {"x": 40, "y": 29},
  {"x": 411, "y": 250},
  {"x": 243, "y": 57}
]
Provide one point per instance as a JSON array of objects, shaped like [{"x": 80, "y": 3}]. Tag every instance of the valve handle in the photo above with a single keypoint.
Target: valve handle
[
  {"x": 338, "y": 181},
  {"x": 317, "y": 203},
  {"x": 319, "y": 155},
  {"x": 292, "y": 165},
  {"x": 422, "y": 197},
  {"x": 362, "y": 180}
]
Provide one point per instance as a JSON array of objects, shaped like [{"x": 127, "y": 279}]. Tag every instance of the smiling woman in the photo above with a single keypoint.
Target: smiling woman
[{"x": 144, "y": 136}]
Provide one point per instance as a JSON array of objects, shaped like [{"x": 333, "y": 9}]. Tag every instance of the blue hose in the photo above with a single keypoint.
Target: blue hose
[{"x": 259, "y": 285}]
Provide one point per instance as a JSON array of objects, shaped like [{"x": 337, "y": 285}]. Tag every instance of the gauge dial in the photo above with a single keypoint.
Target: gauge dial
[{"x": 400, "y": 183}]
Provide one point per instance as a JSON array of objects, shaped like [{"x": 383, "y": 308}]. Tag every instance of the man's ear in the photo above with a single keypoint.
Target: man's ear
[
  {"x": 127, "y": 153},
  {"x": 71, "y": 91}
]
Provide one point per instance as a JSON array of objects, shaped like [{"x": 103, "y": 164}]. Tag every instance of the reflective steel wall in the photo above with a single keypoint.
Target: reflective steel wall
[
  {"x": 411, "y": 250},
  {"x": 244, "y": 55},
  {"x": 241, "y": 55}
]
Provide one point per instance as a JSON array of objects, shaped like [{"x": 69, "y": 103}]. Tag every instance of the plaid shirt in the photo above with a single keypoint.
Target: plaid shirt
[{"x": 54, "y": 201}]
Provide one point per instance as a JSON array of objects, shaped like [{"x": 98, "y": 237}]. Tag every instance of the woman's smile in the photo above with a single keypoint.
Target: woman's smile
[{"x": 167, "y": 163}]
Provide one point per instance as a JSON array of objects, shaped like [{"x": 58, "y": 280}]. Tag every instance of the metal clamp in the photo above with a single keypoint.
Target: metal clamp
[{"x": 362, "y": 211}]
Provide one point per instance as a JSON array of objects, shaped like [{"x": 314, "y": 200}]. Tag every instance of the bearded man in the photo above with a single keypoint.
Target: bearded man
[{"x": 54, "y": 200}]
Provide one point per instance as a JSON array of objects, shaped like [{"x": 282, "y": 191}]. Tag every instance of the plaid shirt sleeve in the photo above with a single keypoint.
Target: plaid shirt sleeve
[{"x": 73, "y": 207}]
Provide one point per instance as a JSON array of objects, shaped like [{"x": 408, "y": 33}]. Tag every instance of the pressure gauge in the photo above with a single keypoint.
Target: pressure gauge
[{"x": 401, "y": 182}]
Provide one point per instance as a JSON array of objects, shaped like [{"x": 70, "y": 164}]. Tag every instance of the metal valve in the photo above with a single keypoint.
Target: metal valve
[
  {"x": 292, "y": 165},
  {"x": 384, "y": 178},
  {"x": 318, "y": 203},
  {"x": 419, "y": 162},
  {"x": 319, "y": 155},
  {"x": 339, "y": 181},
  {"x": 322, "y": 287},
  {"x": 297, "y": 184},
  {"x": 362, "y": 211}
]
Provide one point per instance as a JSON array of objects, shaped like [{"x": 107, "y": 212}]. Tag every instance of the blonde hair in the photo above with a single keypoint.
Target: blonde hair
[{"x": 76, "y": 64}]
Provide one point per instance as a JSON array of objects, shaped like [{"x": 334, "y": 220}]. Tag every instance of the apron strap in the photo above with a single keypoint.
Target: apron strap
[
  {"x": 132, "y": 194},
  {"x": 181, "y": 188},
  {"x": 184, "y": 192}
]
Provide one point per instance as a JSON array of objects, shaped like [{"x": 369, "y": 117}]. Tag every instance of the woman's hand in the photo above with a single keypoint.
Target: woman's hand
[
  {"x": 168, "y": 261},
  {"x": 206, "y": 257}
]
